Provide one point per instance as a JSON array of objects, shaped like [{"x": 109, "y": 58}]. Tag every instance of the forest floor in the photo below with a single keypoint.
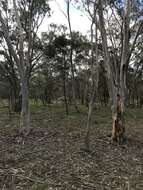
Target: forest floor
[{"x": 51, "y": 156}]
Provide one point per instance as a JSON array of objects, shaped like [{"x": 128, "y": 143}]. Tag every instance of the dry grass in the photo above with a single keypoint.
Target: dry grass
[{"x": 51, "y": 156}]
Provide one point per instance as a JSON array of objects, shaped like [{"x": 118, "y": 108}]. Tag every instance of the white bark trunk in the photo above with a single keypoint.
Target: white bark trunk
[
  {"x": 25, "y": 113},
  {"x": 116, "y": 88},
  {"x": 95, "y": 77},
  {"x": 125, "y": 53},
  {"x": 71, "y": 56}
]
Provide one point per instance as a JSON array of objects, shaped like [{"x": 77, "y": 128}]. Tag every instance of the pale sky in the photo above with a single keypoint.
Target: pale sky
[{"x": 79, "y": 21}]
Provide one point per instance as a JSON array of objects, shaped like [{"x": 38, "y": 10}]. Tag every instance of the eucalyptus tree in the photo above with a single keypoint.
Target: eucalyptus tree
[
  {"x": 7, "y": 65},
  {"x": 117, "y": 60},
  {"x": 91, "y": 9},
  {"x": 81, "y": 59},
  {"x": 55, "y": 56},
  {"x": 120, "y": 24},
  {"x": 135, "y": 78},
  {"x": 56, "y": 50},
  {"x": 68, "y": 3},
  {"x": 27, "y": 17},
  {"x": 61, "y": 43},
  {"x": 9, "y": 72}
]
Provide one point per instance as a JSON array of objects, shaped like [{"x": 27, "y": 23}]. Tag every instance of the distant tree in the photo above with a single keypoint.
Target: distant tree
[
  {"x": 9, "y": 72},
  {"x": 27, "y": 17},
  {"x": 68, "y": 3}
]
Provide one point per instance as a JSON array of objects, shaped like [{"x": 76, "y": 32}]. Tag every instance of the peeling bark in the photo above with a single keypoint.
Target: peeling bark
[
  {"x": 118, "y": 130},
  {"x": 116, "y": 79}
]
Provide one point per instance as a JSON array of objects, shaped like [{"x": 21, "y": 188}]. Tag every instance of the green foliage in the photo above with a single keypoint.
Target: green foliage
[
  {"x": 34, "y": 6},
  {"x": 61, "y": 42}
]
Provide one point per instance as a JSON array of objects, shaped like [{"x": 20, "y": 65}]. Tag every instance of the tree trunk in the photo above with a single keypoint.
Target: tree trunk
[
  {"x": 87, "y": 137},
  {"x": 118, "y": 132},
  {"x": 71, "y": 57},
  {"x": 65, "y": 96},
  {"x": 12, "y": 102},
  {"x": 64, "y": 86},
  {"x": 85, "y": 95},
  {"x": 95, "y": 79},
  {"x": 117, "y": 88},
  {"x": 25, "y": 113},
  {"x": 118, "y": 129},
  {"x": 24, "y": 77},
  {"x": 15, "y": 100},
  {"x": 111, "y": 77}
]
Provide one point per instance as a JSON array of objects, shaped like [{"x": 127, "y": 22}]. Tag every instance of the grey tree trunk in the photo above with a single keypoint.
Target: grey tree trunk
[
  {"x": 116, "y": 74},
  {"x": 95, "y": 78},
  {"x": 71, "y": 56},
  {"x": 64, "y": 86},
  {"x": 25, "y": 114},
  {"x": 125, "y": 52},
  {"x": 116, "y": 87}
]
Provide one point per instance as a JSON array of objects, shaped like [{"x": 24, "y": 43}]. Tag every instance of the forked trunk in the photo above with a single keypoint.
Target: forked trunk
[
  {"x": 117, "y": 88},
  {"x": 118, "y": 131}
]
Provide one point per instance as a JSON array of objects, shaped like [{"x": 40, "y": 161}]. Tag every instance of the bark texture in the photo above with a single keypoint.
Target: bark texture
[
  {"x": 116, "y": 75},
  {"x": 20, "y": 62}
]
